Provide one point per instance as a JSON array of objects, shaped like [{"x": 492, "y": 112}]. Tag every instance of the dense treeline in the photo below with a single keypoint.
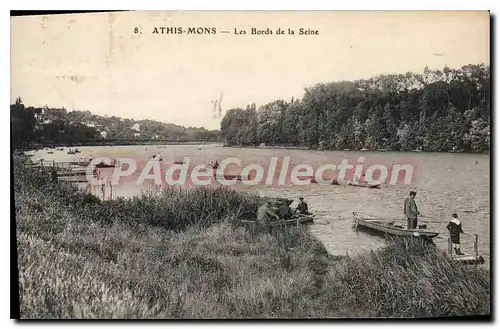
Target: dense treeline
[
  {"x": 438, "y": 110},
  {"x": 54, "y": 126}
]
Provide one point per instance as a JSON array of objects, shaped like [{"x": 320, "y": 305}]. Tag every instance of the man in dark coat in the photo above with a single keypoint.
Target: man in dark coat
[
  {"x": 284, "y": 211},
  {"x": 411, "y": 211},
  {"x": 302, "y": 207},
  {"x": 455, "y": 228}
]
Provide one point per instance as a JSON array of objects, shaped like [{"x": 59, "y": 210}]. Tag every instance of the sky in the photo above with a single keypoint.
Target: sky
[{"x": 96, "y": 62}]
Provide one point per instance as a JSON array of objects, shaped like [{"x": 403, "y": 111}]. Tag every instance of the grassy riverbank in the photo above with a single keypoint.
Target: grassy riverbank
[{"x": 179, "y": 254}]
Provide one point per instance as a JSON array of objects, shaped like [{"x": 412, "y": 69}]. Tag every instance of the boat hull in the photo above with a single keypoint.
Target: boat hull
[
  {"x": 387, "y": 228},
  {"x": 307, "y": 219},
  {"x": 335, "y": 182}
]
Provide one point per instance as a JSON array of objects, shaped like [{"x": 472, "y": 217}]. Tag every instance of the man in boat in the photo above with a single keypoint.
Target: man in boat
[
  {"x": 285, "y": 211},
  {"x": 264, "y": 214},
  {"x": 411, "y": 210},
  {"x": 302, "y": 207},
  {"x": 455, "y": 228}
]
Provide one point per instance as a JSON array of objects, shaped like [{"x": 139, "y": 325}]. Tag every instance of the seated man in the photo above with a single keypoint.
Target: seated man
[
  {"x": 284, "y": 211},
  {"x": 264, "y": 214},
  {"x": 302, "y": 207}
]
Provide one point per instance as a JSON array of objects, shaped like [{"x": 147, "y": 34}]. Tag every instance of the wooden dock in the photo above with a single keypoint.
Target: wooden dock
[
  {"x": 467, "y": 259},
  {"x": 76, "y": 172},
  {"x": 70, "y": 171}
]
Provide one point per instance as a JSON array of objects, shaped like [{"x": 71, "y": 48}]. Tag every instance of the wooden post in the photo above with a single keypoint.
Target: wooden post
[
  {"x": 450, "y": 249},
  {"x": 103, "y": 189},
  {"x": 110, "y": 191},
  {"x": 476, "y": 245}
]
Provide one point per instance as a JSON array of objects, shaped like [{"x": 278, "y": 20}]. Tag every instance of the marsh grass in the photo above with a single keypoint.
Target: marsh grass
[{"x": 181, "y": 254}]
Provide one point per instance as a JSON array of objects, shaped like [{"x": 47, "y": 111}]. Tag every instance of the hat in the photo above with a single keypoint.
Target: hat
[
  {"x": 454, "y": 216},
  {"x": 301, "y": 198}
]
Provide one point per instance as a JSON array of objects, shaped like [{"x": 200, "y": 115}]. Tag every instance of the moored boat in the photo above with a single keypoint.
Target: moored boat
[
  {"x": 388, "y": 227},
  {"x": 364, "y": 185},
  {"x": 301, "y": 219}
]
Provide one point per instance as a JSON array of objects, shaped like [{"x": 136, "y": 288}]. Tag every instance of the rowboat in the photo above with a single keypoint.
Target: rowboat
[
  {"x": 104, "y": 165},
  {"x": 336, "y": 182},
  {"x": 364, "y": 185},
  {"x": 301, "y": 219},
  {"x": 388, "y": 227}
]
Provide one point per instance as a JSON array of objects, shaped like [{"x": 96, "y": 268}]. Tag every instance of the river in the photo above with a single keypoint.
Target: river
[{"x": 445, "y": 183}]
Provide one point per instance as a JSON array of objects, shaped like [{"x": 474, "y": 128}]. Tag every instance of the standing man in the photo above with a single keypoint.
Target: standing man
[
  {"x": 455, "y": 228},
  {"x": 411, "y": 211}
]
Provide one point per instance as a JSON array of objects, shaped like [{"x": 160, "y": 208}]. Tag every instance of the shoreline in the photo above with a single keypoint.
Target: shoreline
[
  {"x": 146, "y": 143},
  {"x": 350, "y": 150},
  {"x": 221, "y": 144}
]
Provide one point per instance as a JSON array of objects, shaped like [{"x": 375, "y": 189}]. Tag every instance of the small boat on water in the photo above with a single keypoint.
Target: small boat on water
[
  {"x": 336, "y": 182},
  {"x": 105, "y": 165},
  {"x": 178, "y": 159},
  {"x": 364, "y": 185},
  {"x": 388, "y": 227},
  {"x": 113, "y": 163}
]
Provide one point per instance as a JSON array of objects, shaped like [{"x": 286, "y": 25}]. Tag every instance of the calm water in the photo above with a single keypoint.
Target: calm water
[{"x": 445, "y": 183}]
